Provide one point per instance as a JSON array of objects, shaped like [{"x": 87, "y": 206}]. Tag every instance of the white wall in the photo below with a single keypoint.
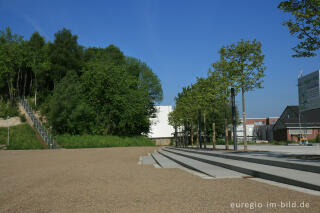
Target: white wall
[{"x": 160, "y": 126}]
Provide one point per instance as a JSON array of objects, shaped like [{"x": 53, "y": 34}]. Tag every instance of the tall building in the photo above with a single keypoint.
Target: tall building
[{"x": 309, "y": 91}]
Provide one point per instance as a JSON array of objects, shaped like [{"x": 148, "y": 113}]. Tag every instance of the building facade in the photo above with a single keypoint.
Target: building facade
[
  {"x": 293, "y": 123},
  {"x": 257, "y": 129},
  {"x": 161, "y": 132},
  {"x": 309, "y": 91}
]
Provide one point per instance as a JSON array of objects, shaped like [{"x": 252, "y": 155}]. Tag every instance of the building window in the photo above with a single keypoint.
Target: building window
[{"x": 259, "y": 123}]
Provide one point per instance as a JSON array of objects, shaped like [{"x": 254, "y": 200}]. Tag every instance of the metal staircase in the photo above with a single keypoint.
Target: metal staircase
[{"x": 44, "y": 134}]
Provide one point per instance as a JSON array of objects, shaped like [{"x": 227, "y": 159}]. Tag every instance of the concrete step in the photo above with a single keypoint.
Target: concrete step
[
  {"x": 266, "y": 158},
  {"x": 148, "y": 159},
  {"x": 163, "y": 161},
  {"x": 208, "y": 169},
  {"x": 299, "y": 178}
]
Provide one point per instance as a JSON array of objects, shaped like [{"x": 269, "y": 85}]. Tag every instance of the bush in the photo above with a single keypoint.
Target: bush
[
  {"x": 21, "y": 137},
  {"x": 316, "y": 140},
  {"x": 7, "y": 110},
  {"x": 171, "y": 142},
  {"x": 98, "y": 141}
]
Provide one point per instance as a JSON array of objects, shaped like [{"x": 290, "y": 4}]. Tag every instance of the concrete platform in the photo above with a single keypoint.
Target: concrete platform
[
  {"x": 209, "y": 169},
  {"x": 164, "y": 162},
  {"x": 306, "y": 150},
  {"x": 303, "y": 179},
  {"x": 267, "y": 158},
  {"x": 148, "y": 159}
]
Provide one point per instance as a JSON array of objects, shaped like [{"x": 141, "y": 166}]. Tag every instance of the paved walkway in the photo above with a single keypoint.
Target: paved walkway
[
  {"x": 291, "y": 149},
  {"x": 273, "y": 171}
]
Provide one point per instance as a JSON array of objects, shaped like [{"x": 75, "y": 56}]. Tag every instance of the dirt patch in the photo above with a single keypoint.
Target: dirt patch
[
  {"x": 14, "y": 121},
  {"x": 110, "y": 180}
]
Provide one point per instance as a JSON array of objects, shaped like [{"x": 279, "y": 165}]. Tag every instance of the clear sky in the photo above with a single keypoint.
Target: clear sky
[{"x": 178, "y": 39}]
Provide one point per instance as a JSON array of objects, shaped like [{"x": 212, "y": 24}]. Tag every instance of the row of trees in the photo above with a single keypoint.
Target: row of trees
[
  {"x": 79, "y": 90},
  {"x": 241, "y": 66}
]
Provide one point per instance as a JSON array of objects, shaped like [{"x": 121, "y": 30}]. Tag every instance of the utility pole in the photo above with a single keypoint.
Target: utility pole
[{"x": 234, "y": 119}]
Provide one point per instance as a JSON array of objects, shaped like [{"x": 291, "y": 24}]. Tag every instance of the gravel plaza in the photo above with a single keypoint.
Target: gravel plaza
[{"x": 110, "y": 180}]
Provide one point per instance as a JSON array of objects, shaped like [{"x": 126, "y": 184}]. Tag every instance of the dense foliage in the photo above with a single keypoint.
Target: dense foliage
[
  {"x": 79, "y": 90},
  {"x": 305, "y": 25},
  {"x": 97, "y": 141}
]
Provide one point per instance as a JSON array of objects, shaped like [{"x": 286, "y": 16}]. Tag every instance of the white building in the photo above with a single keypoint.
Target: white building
[{"x": 161, "y": 131}]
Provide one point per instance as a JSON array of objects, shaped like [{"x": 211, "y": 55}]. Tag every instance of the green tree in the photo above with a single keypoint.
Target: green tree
[
  {"x": 11, "y": 60},
  {"x": 305, "y": 25},
  {"x": 65, "y": 54},
  {"x": 147, "y": 80},
  {"x": 245, "y": 63},
  {"x": 39, "y": 63},
  {"x": 68, "y": 109}
]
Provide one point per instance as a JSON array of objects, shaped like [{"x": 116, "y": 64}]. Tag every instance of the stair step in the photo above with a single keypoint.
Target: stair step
[
  {"x": 147, "y": 160},
  {"x": 303, "y": 179},
  {"x": 164, "y": 162},
  {"x": 266, "y": 158},
  {"x": 209, "y": 169}
]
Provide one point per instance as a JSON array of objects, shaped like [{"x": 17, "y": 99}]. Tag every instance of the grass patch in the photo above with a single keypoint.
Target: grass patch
[
  {"x": 98, "y": 141},
  {"x": 21, "y": 137}
]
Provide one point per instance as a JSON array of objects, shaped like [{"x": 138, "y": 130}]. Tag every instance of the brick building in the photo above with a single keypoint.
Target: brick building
[
  {"x": 262, "y": 121},
  {"x": 257, "y": 129},
  {"x": 289, "y": 126}
]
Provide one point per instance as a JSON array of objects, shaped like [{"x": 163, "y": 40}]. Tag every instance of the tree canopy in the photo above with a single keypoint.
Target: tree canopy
[
  {"x": 79, "y": 90},
  {"x": 305, "y": 25}
]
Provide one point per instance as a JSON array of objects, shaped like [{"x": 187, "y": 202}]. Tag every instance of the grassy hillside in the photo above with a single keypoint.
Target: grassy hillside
[
  {"x": 21, "y": 137},
  {"x": 97, "y": 141}
]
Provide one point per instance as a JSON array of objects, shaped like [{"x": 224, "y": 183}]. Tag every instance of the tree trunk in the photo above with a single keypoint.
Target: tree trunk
[
  {"x": 35, "y": 89},
  {"x": 198, "y": 139},
  {"x": 244, "y": 123},
  {"x": 25, "y": 84},
  {"x": 213, "y": 135},
  {"x": 191, "y": 134},
  {"x": 226, "y": 134},
  {"x": 10, "y": 88},
  {"x": 226, "y": 126},
  {"x": 17, "y": 84},
  {"x": 204, "y": 131}
]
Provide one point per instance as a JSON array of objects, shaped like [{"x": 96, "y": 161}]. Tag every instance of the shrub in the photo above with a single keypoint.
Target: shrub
[
  {"x": 7, "y": 110},
  {"x": 98, "y": 141}
]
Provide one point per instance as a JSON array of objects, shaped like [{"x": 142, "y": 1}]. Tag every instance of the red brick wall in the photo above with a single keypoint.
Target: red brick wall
[
  {"x": 252, "y": 120},
  {"x": 315, "y": 133}
]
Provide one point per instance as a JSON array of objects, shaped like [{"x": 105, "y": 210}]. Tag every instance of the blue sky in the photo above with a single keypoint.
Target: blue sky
[{"x": 178, "y": 39}]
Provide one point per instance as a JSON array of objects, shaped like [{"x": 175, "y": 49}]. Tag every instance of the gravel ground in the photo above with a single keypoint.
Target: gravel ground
[{"x": 109, "y": 180}]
